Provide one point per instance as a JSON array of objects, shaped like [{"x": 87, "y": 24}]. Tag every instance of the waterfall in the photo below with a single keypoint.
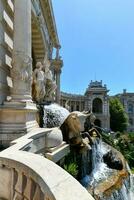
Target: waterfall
[
  {"x": 93, "y": 170},
  {"x": 126, "y": 192},
  {"x": 54, "y": 115},
  {"x": 100, "y": 169},
  {"x": 100, "y": 172}
]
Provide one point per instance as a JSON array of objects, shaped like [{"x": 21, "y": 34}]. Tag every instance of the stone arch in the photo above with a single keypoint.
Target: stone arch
[
  {"x": 97, "y": 105},
  {"x": 77, "y": 107},
  {"x": 97, "y": 122}
]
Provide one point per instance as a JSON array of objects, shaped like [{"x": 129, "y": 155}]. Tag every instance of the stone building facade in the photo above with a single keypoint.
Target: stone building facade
[
  {"x": 95, "y": 99},
  {"x": 27, "y": 34},
  {"x": 73, "y": 102},
  {"x": 127, "y": 100}
]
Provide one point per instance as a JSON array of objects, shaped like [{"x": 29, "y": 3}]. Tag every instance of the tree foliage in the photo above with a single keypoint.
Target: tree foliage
[
  {"x": 118, "y": 117},
  {"x": 125, "y": 144}
]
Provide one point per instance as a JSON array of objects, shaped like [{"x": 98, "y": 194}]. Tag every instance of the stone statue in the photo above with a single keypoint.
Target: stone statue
[
  {"x": 50, "y": 84},
  {"x": 39, "y": 81},
  {"x": 67, "y": 106},
  {"x": 71, "y": 130}
]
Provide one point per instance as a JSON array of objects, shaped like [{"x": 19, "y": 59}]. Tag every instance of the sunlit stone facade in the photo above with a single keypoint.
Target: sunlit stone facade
[
  {"x": 27, "y": 34},
  {"x": 95, "y": 99}
]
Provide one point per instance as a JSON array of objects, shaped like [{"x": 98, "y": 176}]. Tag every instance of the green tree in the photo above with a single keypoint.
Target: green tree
[{"x": 118, "y": 116}]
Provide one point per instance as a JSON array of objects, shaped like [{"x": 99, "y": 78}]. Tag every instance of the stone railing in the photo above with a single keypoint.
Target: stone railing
[
  {"x": 29, "y": 176},
  {"x": 45, "y": 141}
]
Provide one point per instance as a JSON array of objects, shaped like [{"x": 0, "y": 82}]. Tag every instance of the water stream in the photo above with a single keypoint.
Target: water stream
[
  {"x": 100, "y": 172},
  {"x": 55, "y": 115}
]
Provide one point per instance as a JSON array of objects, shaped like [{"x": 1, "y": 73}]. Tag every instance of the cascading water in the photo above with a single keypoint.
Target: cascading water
[
  {"x": 125, "y": 193},
  {"x": 54, "y": 115},
  {"x": 101, "y": 172},
  {"x": 127, "y": 190}
]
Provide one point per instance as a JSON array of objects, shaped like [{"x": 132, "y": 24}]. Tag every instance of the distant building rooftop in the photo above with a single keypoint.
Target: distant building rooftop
[{"x": 96, "y": 86}]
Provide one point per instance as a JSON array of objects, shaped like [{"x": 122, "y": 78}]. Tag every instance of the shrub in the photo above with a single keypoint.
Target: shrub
[{"x": 72, "y": 169}]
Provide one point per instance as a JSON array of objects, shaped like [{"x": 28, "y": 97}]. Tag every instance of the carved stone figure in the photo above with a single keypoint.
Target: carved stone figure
[
  {"x": 67, "y": 106},
  {"x": 50, "y": 84},
  {"x": 71, "y": 130},
  {"x": 21, "y": 72},
  {"x": 39, "y": 81}
]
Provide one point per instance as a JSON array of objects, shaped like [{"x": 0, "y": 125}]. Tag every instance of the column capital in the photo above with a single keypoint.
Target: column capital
[{"x": 57, "y": 65}]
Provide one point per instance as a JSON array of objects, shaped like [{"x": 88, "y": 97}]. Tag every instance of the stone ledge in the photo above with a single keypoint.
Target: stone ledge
[
  {"x": 52, "y": 179},
  {"x": 60, "y": 152}
]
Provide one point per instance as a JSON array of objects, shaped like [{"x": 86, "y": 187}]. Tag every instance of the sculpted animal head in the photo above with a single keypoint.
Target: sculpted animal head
[{"x": 71, "y": 128}]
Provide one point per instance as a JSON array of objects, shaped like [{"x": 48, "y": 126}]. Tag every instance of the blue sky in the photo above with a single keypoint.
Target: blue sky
[{"x": 97, "y": 39}]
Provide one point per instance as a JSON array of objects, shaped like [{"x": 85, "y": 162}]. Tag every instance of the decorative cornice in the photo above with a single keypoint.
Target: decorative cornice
[{"x": 48, "y": 13}]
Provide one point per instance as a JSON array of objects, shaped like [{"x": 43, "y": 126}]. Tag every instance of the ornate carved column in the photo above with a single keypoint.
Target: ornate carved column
[
  {"x": 18, "y": 116},
  {"x": 21, "y": 72},
  {"x": 57, "y": 64}
]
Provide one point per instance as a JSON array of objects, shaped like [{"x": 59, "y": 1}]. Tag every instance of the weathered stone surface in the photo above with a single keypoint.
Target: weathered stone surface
[
  {"x": 18, "y": 115},
  {"x": 16, "y": 119},
  {"x": 5, "y": 182},
  {"x": 71, "y": 129},
  {"x": 57, "y": 153},
  {"x": 53, "y": 138},
  {"x": 48, "y": 178},
  {"x": 113, "y": 161}
]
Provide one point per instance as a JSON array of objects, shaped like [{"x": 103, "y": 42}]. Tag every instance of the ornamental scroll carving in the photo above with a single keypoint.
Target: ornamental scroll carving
[
  {"x": 21, "y": 67},
  {"x": 21, "y": 71}
]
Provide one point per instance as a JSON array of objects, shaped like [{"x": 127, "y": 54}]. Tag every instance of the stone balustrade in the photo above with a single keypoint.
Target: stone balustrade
[
  {"x": 45, "y": 141},
  {"x": 29, "y": 176}
]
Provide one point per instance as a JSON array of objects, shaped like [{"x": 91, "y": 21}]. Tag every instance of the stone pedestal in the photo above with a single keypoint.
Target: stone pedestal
[{"x": 16, "y": 120}]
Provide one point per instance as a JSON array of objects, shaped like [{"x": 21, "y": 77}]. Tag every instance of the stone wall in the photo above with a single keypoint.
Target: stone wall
[{"x": 6, "y": 46}]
